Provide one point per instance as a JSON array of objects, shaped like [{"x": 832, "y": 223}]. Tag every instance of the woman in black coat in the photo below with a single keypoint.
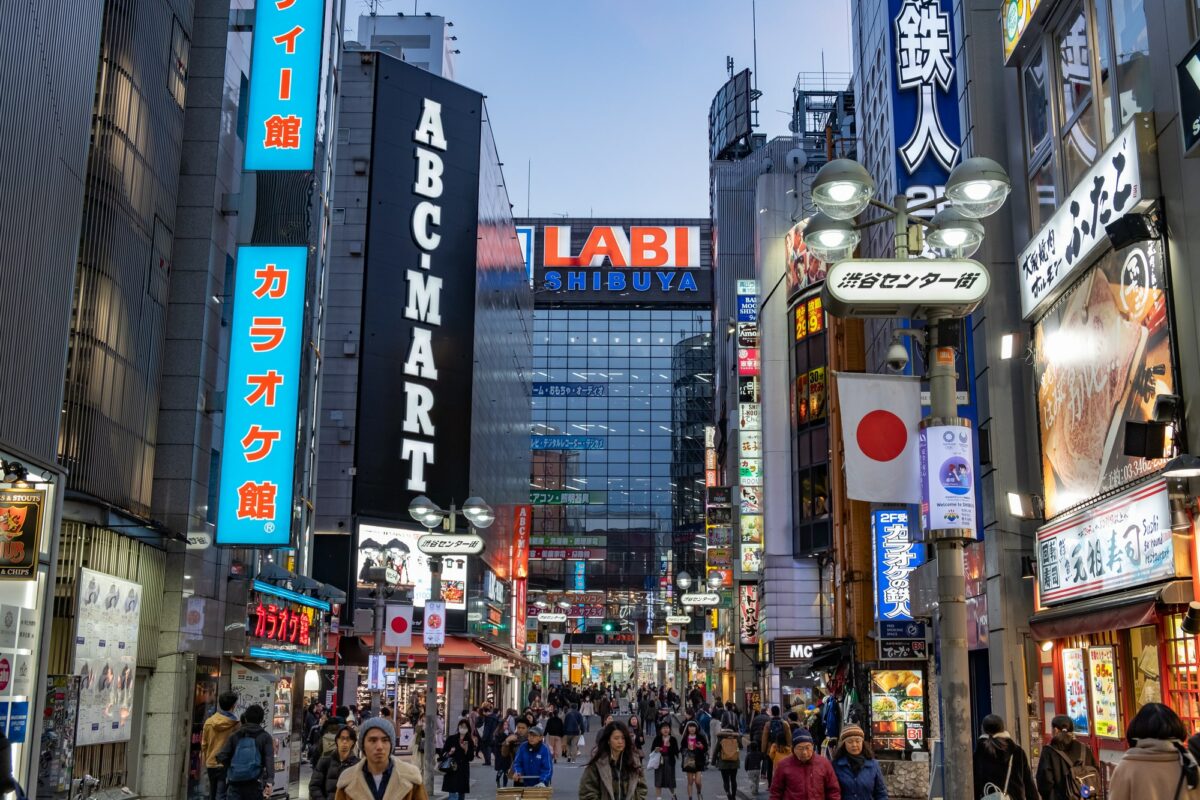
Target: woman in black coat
[
  {"x": 323, "y": 783},
  {"x": 460, "y": 749}
]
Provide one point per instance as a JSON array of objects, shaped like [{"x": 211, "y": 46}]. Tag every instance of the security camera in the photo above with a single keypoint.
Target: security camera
[{"x": 897, "y": 356}]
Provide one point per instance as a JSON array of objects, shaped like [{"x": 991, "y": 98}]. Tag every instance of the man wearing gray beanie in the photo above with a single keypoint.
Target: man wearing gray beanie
[{"x": 380, "y": 775}]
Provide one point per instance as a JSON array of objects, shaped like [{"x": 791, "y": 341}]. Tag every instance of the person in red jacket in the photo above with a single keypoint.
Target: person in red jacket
[{"x": 804, "y": 775}]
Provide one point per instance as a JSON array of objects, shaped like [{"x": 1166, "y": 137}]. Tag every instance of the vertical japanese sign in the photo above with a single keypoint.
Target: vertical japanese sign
[
  {"x": 285, "y": 71},
  {"x": 748, "y": 618},
  {"x": 519, "y": 570},
  {"x": 896, "y": 556},
  {"x": 749, "y": 454},
  {"x": 924, "y": 99},
  {"x": 261, "y": 397}
]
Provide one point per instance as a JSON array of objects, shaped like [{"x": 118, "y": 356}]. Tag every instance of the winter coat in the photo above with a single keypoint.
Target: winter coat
[
  {"x": 992, "y": 755},
  {"x": 533, "y": 764},
  {"x": 600, "y": 781},
  {"x": 757, "y": 726},
  {"x": 814, "y": 780},
  {"x": 490, "y": 723},
  {"x": 462, "y": 750},
  {"x": 323, "y": 783},
  {"x": 701, "y": 751},
  {"x": 1150, "y": 771},
  {"x": 866, "y": 784},
  {"x": 266, "y": 751},
  {"x": 718, "y": 760},
  {"x": 767, "y": 739},
  {"x": 554, "y": 725},
  {"x": 217, "y": 730},
  {"x": 1054, "y": 773},
  {"x": 573, "y": 723},
  {"x": 404, "y": 784},
  {"x": 664, "y": 776}
]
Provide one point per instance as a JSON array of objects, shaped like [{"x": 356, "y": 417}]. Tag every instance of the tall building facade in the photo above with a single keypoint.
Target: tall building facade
[{"x": 622, "y": 391}]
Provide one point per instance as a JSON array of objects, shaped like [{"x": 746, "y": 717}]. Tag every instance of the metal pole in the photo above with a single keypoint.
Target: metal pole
[
  {"x": 430, "y": 756},
  {"x": 377, "y": 645}
]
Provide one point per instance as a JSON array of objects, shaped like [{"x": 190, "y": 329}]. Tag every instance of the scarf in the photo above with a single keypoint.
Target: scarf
[
  {"x": 856, "y": 762},
  {"x": 620, "y": 779}
]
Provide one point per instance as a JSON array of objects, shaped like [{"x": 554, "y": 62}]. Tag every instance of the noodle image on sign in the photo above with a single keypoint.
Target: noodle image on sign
[{"x": 1102, "y": 355}]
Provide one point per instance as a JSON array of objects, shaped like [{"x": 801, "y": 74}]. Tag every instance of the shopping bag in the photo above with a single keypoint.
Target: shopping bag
[{"x": 654, "y": 760}]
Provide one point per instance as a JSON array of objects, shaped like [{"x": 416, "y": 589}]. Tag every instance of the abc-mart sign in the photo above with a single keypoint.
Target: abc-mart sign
[{"x": 1124, "y": 180}]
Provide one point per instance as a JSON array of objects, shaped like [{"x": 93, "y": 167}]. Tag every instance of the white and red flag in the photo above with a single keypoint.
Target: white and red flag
[
  {"x": 556, "y": 643},
  {"x": 880, "y": 415}
]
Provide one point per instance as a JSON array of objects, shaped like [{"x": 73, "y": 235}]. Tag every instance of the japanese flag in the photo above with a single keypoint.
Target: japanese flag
[
  {"x": 556, "y": 643},
  {"x": 674, "y": 633},
  {"x": 880, "y": 414},
  {"x": 397, "y": 628}
]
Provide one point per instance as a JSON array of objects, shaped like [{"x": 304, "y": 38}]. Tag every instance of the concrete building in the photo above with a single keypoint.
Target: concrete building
[{"x": 423, "y": 40}]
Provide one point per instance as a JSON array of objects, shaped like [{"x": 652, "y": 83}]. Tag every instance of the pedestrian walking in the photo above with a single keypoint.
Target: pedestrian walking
[
  {"x": 664, "y": 755},
  {"x": 728, "y": 756},
  {"x": 858, "y": 773},
  {"x": 1157, "y": 765},
  {"x": 217, "y": 730},
  {"x": 573, "y": 728},
  {"x": 804, "y": 775},
  {"x": 693, "y": 755},
  {"x": 1001, "y": 765},
  {"x": 380, "y": 775},
  {"x": 614, "y": 771},
  {"x": 533, "y": 764},
  {"x": 489, "y": 724},
  {"x": 554, "y": 734},
  {"x": 638, "y": 734},
  {"x": 776, "y": 732},
  {"x": 455, "y": 759},
  {"x": 1067, "y": 765},
  {"x": 323, "y": 783},
  {"x": 249, "y": 758}
]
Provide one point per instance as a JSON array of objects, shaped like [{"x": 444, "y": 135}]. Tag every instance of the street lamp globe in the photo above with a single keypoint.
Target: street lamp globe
[
  {"x": 830, "y": 239},
  {"x": 956, "y": 233},
  {"x": 714, "y": 581},
  {"x": 564, "y": 605},
  {"x": 687, "y": 609},
  {"x": 842, "y": 189},
  {"x": 425, "y": 511},
  {"x": 479, "y": 513},
  {"x": 683, "y": 580},
  {"x": 978, "y": 187}
]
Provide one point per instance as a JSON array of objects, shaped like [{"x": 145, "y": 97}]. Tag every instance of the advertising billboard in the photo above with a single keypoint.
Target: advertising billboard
[
  {"x": 396, "y": 549},
  {"x": 262, "y": 398},
  {"x": 604, "y": 262},
  {"x": 418, "y": 322},
  {"x": 948, "y": 478},
  {"x": 1102, "y": 355},
  {"x": 729, "y": 119},
  {"x": 897, "y": 554},
  {"x": 803, "y": 268}
]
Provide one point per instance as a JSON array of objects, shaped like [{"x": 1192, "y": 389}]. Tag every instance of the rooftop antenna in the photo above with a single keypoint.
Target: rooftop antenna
[
  {"x": 754, "y": 35},
  {"x": 528, "y": 184}
]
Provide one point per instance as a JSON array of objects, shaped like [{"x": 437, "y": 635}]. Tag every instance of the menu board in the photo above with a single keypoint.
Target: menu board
[
  {"x": 1102, "y": 675},
  {"x": 898, "y": 716},
  {"x": 1075, "y": 682},
  {"x": 106, "y": 638}
]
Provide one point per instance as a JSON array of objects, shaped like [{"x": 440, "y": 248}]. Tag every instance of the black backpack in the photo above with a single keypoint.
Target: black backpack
[{"x": 1083, "y": 780}]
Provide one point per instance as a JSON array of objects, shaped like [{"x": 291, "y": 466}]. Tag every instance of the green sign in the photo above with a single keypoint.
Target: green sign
[{"x": 560, "y": 497}]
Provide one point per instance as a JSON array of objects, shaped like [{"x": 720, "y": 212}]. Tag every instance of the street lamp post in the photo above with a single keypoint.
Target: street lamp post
[
  {"x": 977, "y": 187},
  {"x": 478, "y": 515},
  {"x": 684, "y": 581}
]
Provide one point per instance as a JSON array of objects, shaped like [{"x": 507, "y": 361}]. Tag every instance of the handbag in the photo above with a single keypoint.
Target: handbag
[
  {"x": 447, "y": 765},
  {"x": 993, "y": 792},
  {"x": 690, "y": 761},
  {"x": 654, "y": 760}
]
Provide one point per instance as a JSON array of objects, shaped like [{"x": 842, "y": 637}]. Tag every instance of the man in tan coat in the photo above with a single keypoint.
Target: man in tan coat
[
  {"x": 380, "y": 776},
  {"x": 217, "y": 729}
]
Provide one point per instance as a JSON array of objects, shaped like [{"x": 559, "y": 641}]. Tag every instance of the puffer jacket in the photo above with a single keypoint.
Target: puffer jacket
[
  {"x": 1150, "y": 771},
  {"x": 992, "y": 756},
  {"x": 323, "y": 783},
  {"x": 813, "y": 780},
  {"x": 866, "y": 784}
]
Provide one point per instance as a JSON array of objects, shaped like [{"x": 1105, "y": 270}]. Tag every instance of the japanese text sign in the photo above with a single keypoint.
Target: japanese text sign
[
  {"x": 435, "y": 624},
  {"x": 904, "y": 288},
  {"x": 261, "y": 399},
  {"x": 748, "y": 601},
  {"x": 1118, "y": 183},
  {"x": 285, "y": 71},
  {"x": 1123, "y": 543},
  {"x": 896, "y": 556},
  {"x": 285, "y": 620}
]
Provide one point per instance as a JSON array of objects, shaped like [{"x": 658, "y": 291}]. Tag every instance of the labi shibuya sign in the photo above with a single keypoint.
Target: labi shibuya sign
[{"x": 414, "y": 396}]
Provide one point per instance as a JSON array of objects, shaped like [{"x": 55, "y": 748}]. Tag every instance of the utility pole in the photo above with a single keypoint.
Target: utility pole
[{"x": 429, "y": 768}]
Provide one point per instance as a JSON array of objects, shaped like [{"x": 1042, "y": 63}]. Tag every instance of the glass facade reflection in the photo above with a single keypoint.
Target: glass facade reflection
[{"x": 620, "y": 398}]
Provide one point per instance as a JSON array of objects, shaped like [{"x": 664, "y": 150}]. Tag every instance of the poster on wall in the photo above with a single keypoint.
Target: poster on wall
[
  {"x": 803, "y": 268},
  {"x": 1075, "y": 689},
  {"x": 1101, "y": 357},
  {"x": 107, "y": 618},
  {"x": 256, "y": 686},
  {"x": 57, "y": 755},
  {"x": 1102, "y": 675},
  {"x": 20, "y": 531},
  {"x": 897, "y": 709}
]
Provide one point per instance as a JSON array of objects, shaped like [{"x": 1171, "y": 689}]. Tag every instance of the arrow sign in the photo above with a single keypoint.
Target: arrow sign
[
  {"x": 701, "y": 599},
  {"x": 679, "y": 619},
  {"x": 450, "y": 544},
  {"x": 547, "y": 617}
]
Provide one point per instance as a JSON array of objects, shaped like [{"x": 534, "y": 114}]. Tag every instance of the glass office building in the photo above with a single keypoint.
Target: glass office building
[{"x": 621, "y": 393}]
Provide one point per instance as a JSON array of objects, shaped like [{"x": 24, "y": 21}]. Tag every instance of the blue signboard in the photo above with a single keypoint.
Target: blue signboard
[
  {"x": 747, "y": 308},
  {"x": 896, "y": 556},
  {"x": 261, "y": 397},
  {"x": 285, "y": 70},
  {"x": 15, "y": 717},
  {"x": 556, "y": 442},
  {"x": 570, "y": 389},
  {"x": 577, "y": 569},
  {"x": 901, "y": 630}
]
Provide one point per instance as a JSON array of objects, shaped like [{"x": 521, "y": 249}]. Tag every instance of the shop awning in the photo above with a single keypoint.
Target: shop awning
[
  {"x": 1112, "y": 612},
  {"x": 502, "y": 652},
  {"x": 456, "y": 650}
]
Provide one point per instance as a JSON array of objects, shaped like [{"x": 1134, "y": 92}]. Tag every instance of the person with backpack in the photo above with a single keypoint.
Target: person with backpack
[
  {"x": 1066, "y": 765},
  {"x": 778, "y": 733},
  {"x": 217, "y": 730},
  {"x": 857, "y": 771},
  {"x": 323, "y": 783},
  {"x": 380, "y": 775},
  {"x": 1001, "y": 764},
  {"x": 727, "y": 757},
  {"x": 249, "y": 758},
  {"x": 1157, "y": 765}
]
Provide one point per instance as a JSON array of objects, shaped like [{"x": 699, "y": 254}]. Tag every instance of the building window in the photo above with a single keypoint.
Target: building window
[
  {"x": 1080, "y": 133},
  {"x": 177, "y": 72},
  {"x": 1182, "y": 671},
  {"x": 1131, "y": 48}
]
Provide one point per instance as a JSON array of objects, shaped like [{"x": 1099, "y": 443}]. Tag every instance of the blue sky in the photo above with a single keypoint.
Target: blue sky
[{"x": 609, "y": 98}]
